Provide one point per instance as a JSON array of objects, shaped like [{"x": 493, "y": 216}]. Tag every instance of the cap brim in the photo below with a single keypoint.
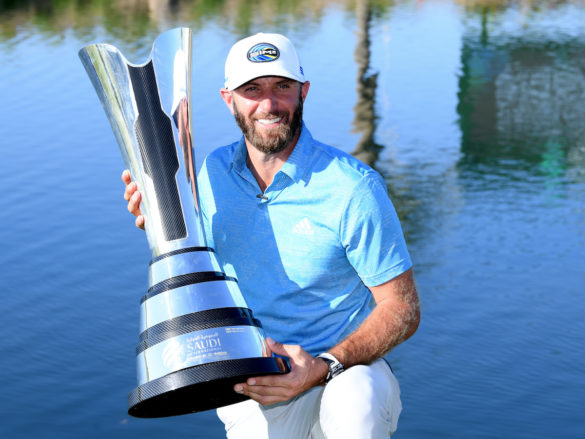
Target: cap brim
[{"x": 260, "y": 72}]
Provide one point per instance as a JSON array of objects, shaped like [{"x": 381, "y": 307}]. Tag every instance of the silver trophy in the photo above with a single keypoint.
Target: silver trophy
[{"x": 197, "y": 336}]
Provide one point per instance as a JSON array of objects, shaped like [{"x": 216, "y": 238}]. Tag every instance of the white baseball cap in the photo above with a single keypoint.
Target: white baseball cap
[{"x": 262, "y": 55}]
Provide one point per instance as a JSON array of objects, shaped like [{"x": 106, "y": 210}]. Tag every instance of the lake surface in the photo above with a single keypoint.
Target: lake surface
[{"x": 474, "y": 112}]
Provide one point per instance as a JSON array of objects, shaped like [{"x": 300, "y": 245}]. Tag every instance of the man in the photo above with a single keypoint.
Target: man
[{"x": 319, "y": 254}]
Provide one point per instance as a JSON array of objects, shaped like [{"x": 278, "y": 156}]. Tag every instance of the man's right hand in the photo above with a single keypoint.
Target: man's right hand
[{"x": 134, "y": 197}]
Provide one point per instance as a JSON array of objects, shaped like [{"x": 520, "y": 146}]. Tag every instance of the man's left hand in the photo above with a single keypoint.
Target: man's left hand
[{"x": 306, "y": 372}]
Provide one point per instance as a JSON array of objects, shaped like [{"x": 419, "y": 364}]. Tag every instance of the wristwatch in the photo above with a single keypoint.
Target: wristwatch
[{"x": 335, "y": 367}]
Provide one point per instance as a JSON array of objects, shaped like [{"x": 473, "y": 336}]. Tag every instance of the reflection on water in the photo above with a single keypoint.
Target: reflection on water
[
  {"x": 472, "y": 111},
  {"x": 521, "y": 96},
  {"x": 127, "y": 20},
  {"x": 364, "y": 122},
  {"x": 365, "y": 119}
]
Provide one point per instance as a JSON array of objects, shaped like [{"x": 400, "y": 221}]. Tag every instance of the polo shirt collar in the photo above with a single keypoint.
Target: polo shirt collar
[
  {"x": 239, "y": 157},
  {"x": 296, "y": 164},
  {"x": 299, "y": 159}
]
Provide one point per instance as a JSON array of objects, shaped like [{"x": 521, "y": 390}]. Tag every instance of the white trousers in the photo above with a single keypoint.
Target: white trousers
[{"x": 363, "y": 402}]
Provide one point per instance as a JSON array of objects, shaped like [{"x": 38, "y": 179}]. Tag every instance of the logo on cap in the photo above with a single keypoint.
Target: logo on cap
[{"x": 263, "y": 52}]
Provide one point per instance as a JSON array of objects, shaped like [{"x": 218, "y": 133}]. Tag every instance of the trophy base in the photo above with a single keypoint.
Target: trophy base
[{"x": 198, "y": 388}]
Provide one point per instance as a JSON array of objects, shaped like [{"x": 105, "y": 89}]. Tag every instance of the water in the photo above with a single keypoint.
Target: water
[{"x": 477, "y": 124}]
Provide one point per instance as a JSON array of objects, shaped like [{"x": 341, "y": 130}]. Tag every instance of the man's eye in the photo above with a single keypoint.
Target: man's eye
[{"x": 284, "y": 85}]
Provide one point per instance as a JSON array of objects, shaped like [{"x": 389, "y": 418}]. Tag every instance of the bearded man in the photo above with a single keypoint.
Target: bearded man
[{"x": 319, "y": 254}]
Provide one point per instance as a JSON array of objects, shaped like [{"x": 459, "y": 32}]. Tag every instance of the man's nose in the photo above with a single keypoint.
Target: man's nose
[{"x": 268, "y": 103}]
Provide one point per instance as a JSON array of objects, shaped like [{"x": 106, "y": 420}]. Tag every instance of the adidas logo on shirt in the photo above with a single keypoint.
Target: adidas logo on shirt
[{"x": 303, "y": 227}]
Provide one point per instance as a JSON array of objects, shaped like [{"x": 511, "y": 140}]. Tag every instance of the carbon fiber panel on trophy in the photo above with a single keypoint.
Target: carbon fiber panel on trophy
[
  {"x": 212, "y": 318},
  {"x": 181, "y": 251},
  {"x": 198, "y": 388},
  {"x": 154, "y": 134},
  {"x": 188, "y": 299},
  {"x": 182, "y": 264},
  {"x": 187, "y": 279}
]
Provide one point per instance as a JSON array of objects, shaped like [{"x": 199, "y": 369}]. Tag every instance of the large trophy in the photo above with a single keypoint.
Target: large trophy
[{"x": 197, "y": 336}]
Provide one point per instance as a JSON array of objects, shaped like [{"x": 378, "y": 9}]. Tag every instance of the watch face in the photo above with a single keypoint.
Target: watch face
[{"x": 335, "y": 367}]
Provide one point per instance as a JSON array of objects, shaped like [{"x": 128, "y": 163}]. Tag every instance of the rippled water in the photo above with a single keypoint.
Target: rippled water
[{"x": 477, "y": 123}]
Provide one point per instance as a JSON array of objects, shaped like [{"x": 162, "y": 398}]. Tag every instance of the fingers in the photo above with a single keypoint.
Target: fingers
[
  {"x": 295, "y": 353},
  {"x": 134, "y": 198},
  {"x": 134, "y": 203},
  {"x": 265, "y": 394},
  {"x": 134, "y": 209},
  {"x": 274, "y": 388},
  {"x": 306, "y": 372},
  {"x": 282, "y": 349},
  {"x": 131, "y": 188},
  {"x": 266, "y": 399},
  {"x": 126, "y": 177},
  {"x": 140, "y": 222},
  {"x": 285, "y": 380}
]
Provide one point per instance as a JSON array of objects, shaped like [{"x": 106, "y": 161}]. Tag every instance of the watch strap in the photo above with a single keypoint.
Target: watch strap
[{"x": 335, "y": 367}]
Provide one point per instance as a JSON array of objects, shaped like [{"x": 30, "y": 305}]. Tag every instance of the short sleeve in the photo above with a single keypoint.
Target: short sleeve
[{"x": 371, "y": 233}]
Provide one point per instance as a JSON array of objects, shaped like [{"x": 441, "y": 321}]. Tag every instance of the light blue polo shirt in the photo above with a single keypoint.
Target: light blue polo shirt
[{"x": 304, "y": 254}]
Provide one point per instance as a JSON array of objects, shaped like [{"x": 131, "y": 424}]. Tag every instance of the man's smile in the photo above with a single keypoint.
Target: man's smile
[{"x": 270, "y": 121}]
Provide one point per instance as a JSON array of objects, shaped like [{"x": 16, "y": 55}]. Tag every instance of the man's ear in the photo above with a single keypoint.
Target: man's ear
[
  {"x": 305, "y": 89},
  {"x": 227, "y": 97}
]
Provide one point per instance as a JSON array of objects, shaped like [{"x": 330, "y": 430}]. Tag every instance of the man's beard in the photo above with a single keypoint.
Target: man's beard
[{"x": 275, "y": 139}]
